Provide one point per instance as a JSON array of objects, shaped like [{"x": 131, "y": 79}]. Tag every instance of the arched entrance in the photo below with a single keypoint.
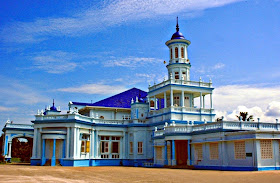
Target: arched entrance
[{"x": 21, "y": 149}]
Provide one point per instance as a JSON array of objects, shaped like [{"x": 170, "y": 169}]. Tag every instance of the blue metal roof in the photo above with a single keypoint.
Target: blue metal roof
[
  {"x": 121, "y": 100},
  {"x": 177, "y": 35}
]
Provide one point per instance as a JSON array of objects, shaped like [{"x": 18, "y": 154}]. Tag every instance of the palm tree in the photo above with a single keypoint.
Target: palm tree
[{"x": 244, "y": 116}]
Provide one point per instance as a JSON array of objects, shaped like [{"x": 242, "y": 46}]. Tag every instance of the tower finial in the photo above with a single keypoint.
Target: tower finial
[
  {"x": 53, "y": 102},
  {"x": 177, "y": 26}
]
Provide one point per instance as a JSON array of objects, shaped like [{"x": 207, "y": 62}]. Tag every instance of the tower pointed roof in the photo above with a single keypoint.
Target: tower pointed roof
[{"x": 177, "y": 34}]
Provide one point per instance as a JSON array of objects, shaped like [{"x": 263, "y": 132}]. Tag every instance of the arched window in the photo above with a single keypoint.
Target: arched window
[
  {"x": 182, "y": 52},
  {"x": 176, "y": 52},
  {"x": 152, "y": 103},
  {"x": 171, "y": 54}
]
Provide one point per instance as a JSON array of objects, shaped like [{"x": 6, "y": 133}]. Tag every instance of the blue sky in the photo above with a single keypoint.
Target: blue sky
[{"x": 89, "y": 50}]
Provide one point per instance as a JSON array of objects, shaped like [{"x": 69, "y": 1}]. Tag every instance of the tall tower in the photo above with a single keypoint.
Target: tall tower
[
  {"x": 179, "y": 64},
  {"x": 179, "y": 98}
]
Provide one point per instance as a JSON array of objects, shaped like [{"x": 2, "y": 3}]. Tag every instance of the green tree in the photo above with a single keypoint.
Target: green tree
[{"x": 245, "y": 116}]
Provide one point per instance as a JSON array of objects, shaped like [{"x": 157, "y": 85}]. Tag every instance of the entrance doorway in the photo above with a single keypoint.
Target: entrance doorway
[
  {"x": 181, "y": 152},
  {"x": 22, "y": 149}
]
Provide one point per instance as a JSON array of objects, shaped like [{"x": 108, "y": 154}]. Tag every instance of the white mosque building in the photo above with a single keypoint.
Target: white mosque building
[{"x": 161, "y": 127}]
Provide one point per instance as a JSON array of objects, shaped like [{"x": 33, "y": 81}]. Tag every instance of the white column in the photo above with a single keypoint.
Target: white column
[
  {"x": 186, "y": 54},
  {"x": 211, "y": 101},
  {"x": 200, "y": 99},
  {"x": 39, "y": 142},
  {"x": 149, "y": 102},
  {"x": 182, "y": 99},
  {"x": 77, "y": 143},
  {"x": 171, "y": 98},
  {"x": 155, "y": 103},
  {"x": 123, "y": 146},
  {"x": 34, "y": 154},
  {"x": 203, "y": 101},
  {"x": 97, "y": 145},
  {"x": 73, "y": 143},
  {"x": 179, "y": 52},
  {"x": 180, "y": 74},
  {"x": 173, "y": 50},
  {"x": 165, "y": 100},
  {"x": 92, "y": 144},
  {"x": 67, "y": 142}
]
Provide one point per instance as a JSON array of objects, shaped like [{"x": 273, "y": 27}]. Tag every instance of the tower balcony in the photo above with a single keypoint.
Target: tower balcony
[
  {"x": 180, "y": 109},
  {"x": 182, "y": 114},
  {"x": 181, "y": 82}
]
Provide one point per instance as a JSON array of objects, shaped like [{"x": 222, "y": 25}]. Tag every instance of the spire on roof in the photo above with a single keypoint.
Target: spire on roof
[
  {"x": 53, "y": 102},
  {"x": 177, "y": 26}
]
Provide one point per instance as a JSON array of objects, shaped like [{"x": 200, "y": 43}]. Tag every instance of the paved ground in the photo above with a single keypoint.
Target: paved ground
[{"x": 26, "y": 173}]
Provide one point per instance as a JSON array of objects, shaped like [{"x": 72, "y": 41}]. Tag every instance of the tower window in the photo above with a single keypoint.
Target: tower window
[
  {"x": 176, "y": 52},
  {"x": 171, "y": 54},
  {"x": 176, "y": 75},
  {"x": 182, "y": 52}
]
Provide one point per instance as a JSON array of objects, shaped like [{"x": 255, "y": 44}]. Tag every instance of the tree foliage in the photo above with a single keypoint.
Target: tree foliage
[
  {"x": 245, "y": 116},
  {"x": 22, "y": 150}
]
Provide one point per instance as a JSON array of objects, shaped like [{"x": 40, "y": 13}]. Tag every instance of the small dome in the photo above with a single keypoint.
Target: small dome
[
  {"x": 53, "y": 108},
  {"x": 177, "y": 35}
]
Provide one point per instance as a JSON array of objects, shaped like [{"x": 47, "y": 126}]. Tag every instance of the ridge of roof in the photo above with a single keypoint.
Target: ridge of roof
[{"x": 121, "y": 100}]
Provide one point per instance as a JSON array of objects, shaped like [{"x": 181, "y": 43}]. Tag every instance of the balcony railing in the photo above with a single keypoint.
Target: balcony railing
[
  {"x": 180, "y": 109},
  {"x": 221, "y": 125},
  {"x": 180, "y": 82},
  {"x": 82, "y": 118}
]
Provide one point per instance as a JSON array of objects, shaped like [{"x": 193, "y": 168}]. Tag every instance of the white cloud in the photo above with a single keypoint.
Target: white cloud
[
  {"x": 219, "y": 66},
  {"x": 13, "y": 93},
  {"x": 54, "y": 62},
  {"x": 209, "y": 70},
  {"x": 101, "y": 89},
  {"x": 131, "y": 62},
  {"x": 273, "y": 109},
  {"x": 3, "y": 108},
  {"x": 111, "y": 13},
  {"x": 260, "y": 101},
  {"x": 230, "y": 96}
]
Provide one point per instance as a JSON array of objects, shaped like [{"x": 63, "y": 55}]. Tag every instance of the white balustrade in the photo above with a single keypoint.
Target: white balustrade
[
  {"x": 180, "y": 82},
  {"x": 223, "y": 125}
]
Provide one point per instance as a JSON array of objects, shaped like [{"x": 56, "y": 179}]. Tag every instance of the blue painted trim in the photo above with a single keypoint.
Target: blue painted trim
[
  {"x": 178, "y": 42},
  {"x": 35, "y": 162},
  {"x": 186, "y": 64},
  {"x": 198, "y": 114},
  {"x": 105, "y": 162},
  {"x": 173, "y": 151},
  {"x": 53, "y": 157},
  {"x": 6, "y": 145},
  {"x": 189, "y": 153},
  {"x": 236, "y": 168},
  {"x": 137, "y": 113},
  {"x": 43, "y": 152}
]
